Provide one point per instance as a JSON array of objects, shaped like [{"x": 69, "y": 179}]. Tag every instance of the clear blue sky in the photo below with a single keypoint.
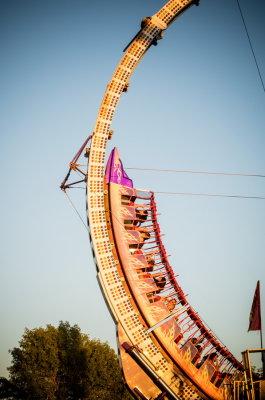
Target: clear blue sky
[{"x": 195, "y": 103}]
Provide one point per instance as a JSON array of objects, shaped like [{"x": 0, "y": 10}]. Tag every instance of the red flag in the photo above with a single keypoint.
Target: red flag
[{"x": 255, "y": 314}]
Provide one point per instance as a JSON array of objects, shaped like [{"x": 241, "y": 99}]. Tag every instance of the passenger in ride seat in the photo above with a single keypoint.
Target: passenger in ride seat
[
  {"x": 141, "y": 216},
  {"x": 127, "y": 200},
  {"x": 144, "y": 234},
  {"x": 151, "y": 263},
  {"x": 160, "y": 281},
  {"x": 196, "y": 343},
  {"x": 150, "y": 260},
  {"x": 211, "y": 358},
  {"x": 158, "y": 278},
  {"x": 170, "y": 303}
]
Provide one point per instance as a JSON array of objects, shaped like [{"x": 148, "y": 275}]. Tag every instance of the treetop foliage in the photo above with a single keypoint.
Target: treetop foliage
[{"x": 62, "y": 364}]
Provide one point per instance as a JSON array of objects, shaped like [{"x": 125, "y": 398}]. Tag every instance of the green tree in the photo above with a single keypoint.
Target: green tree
[{"x": 62, "y": 364}]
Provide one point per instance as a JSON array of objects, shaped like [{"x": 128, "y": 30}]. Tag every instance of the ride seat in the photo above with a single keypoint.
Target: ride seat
[
  {"x": 207, "y": 370},
  {"x": 171, "y": 329},
  {"x": 132, "y": 237},
  {"x": 189, "y": 351},
  {"x": 128, "y": 213},
  {"x": 146, "y": 285},
  {"x": 139, "y": 262},
  {"x": 127, "y": 191}
]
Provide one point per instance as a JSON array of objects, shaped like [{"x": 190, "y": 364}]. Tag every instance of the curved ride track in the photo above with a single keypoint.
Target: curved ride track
[{"x": 157, "y": 345}]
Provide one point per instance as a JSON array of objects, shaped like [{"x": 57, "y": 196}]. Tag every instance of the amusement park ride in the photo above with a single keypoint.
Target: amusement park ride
[{"x": 166, "y": 351}]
